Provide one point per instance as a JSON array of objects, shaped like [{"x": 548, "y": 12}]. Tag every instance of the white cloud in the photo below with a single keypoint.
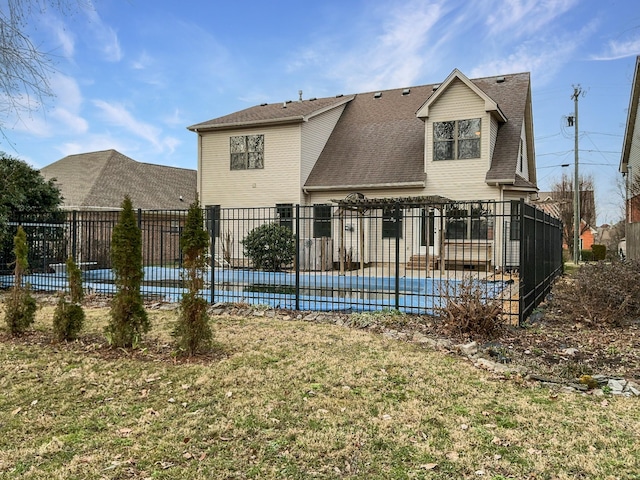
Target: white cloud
[
  {"x": 544, "y": 56},
  {"x": 106, "y": 37},
  {"x": 143, "y": 61},
  {"x": 620, "y": 49},
  {"x": 65, "y": 115},
  {"x": 68, "y": 105},
  {"x": 388, "y": 53},
  {"x": 524, "y": 17},
  {"x": 93, "y": 143},
  {"x": 118, "y": 115},
  {"x": 64, "y": 39},
  {"x": 176, "y": 119}
]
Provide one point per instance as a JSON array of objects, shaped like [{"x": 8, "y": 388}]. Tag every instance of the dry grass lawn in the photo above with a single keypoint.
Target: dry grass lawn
[{"x": 289, "y": 399}]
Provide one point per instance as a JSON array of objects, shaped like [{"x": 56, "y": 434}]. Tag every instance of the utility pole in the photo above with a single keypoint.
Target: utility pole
[{"x": 577, "y": 91}]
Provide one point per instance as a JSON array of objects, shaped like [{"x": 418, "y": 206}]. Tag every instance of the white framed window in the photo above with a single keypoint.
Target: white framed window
[
  {"x": 456, "y": 139},
  {"x": 247, "y": 152}
]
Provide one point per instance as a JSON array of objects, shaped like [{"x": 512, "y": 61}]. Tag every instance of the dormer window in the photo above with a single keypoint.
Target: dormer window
[{"x": 456, "y": 139}]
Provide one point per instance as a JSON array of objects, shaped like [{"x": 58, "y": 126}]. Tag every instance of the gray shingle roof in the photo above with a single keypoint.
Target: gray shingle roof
[
  {"x": 380, "y": 141},
  {"x": 273, "y": 113},
  {"x": 100, "y": 180}
]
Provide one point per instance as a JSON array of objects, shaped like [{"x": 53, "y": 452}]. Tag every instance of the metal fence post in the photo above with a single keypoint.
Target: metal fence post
[
  {"x": 74, "y": 236},
  {"x": 211, "y": 223},
  {"x": 297, "y": 256},
  {"x": 522, "y": 263},
  {"x": 398, "y": 232}
]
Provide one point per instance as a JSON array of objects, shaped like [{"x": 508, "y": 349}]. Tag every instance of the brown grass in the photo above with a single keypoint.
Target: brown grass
[{"x": 289, "y": 399}]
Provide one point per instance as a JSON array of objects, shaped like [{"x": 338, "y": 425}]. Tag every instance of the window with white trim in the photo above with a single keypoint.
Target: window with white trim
[
  {"x": 456, "y": 139},
  {"x": 247, "y": 152}
]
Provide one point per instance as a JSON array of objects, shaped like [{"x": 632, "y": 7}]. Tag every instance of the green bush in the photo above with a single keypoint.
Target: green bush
[
  {"x": 599, "y": 252},
  {"x": 600, "y": 293},
  {"x": 192, "y": 329},
  {"x": 586, "y": 255},
  {"x": 68, "y": 317},
  {"x": 270, "y": 247},
  {"x": 129, "y": 319},
  {"x": 20, "y": 308}
]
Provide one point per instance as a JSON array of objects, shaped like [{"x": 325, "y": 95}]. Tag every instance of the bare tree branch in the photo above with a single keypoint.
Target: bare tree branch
[{"x": 25, "y": 68}]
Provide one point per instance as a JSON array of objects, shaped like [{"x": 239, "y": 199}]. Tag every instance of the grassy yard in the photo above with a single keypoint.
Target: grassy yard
[{"x": 289, "y": 399}]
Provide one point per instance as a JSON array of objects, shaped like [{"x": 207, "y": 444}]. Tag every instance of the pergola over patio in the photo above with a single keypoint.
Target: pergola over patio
[{"x": 361, "y": 204}]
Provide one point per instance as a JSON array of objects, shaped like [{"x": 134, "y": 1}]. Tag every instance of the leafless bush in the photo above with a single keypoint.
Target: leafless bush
[
  {"x": 470, "y": 307},
  {"x": 600, "y": 294}
]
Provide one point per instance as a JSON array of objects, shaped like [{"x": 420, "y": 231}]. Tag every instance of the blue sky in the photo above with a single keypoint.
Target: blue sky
[{"x": 132, "y": 74}]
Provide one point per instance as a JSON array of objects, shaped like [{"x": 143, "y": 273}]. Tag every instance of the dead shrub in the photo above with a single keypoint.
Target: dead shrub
[
  {"x": 600, "y": 294},
  {"x": 471, "y": 307}
]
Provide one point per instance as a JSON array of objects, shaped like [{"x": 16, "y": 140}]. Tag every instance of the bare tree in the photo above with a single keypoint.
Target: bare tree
[
  {"x": 562, "y": 193},
  {"x": 24, "y": 67}
]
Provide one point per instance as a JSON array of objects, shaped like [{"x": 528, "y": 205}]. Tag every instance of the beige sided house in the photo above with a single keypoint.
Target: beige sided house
[
  {"x": 461, "y": 139},
  {"x": 94, "y": 185}
]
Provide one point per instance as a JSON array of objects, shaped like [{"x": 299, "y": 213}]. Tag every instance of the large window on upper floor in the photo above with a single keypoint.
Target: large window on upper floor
[
  {"x": 456, "y": 139},
  {"x": 247, "y": 152}
]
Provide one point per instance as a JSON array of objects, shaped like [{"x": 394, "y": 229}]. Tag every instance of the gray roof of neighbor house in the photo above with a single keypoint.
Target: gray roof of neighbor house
[
  {"x": 100, "y": 180},
  {"x": 379, "y": 140}
]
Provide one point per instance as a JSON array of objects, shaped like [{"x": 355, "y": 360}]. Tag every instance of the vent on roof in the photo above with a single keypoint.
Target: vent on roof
[
  {"x": 435, "y": 87},
  {"x": 339, "y": 95},
  {"x": 284, "y": 104},
  {"x": 312, "y": 99},
  {"x": 377, "y": 95},
  {"x": 263, "y": 104},
  {"x": 406, "y": 91},
  {"x": 289, "y": 101},
  {"x": 500, "y": 80}
]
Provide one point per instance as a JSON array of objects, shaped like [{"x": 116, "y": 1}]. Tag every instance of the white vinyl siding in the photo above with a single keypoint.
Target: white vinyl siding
[
  {"x": 315, "y": 134},
  {"x": 277, "y": 182},
  {"x": 459, "y": 180}
]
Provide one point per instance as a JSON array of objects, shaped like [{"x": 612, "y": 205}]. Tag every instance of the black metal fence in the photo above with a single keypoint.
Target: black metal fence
[{"x": 357, "y": 255}]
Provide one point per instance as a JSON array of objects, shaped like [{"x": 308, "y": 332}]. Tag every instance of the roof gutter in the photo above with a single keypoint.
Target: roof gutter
[
  {"x": 229, "y": 126},
  {"x": 369, "y": 186}
]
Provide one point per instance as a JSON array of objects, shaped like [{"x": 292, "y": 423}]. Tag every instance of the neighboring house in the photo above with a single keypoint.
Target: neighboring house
[
  {"x": 630, "y": 168},
  {"x": 100, "y": 180},
  {"x": 560, "y": 206},
  {"x": 461, "y": 139},
  {"x": 94, "y": 184}
]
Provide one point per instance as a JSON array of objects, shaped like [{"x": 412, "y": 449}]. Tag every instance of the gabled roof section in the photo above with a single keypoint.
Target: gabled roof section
[
  {"x": 514, "y": 97},
  {"x": 631, "y": 119},
  {"x": 490, "y": 104},
  {"x": 273, "y": 114},
  {"x": 379, "y": 141},
  {"x": 100, "y": 180}
]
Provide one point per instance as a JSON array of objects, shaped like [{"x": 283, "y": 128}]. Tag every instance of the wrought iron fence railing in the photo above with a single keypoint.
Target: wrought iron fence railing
[{"x": 406, "y": 255}]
